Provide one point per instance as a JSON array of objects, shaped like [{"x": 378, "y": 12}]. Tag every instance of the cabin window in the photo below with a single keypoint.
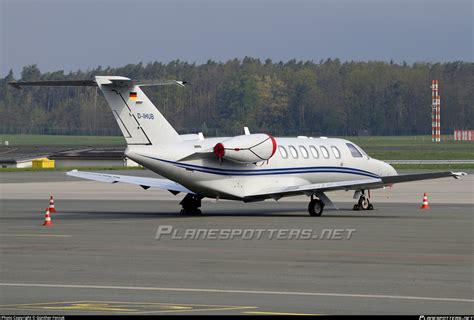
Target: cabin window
[
  {"x": 355, "y": 153},
  {"x": 336, "y": 152},
  {"x": 314, "y": 152},
  {"x": 293, "y": 152},
  {"x": 304, "y": 152},
  {"x": 283, "y": 152},
  {"x": 325, "y": 152}
]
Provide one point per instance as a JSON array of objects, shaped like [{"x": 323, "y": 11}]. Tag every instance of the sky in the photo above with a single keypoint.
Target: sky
[{"x": 80, "y": 34}]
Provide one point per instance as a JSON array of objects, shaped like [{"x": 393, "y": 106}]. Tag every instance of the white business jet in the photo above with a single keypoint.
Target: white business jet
[{"x": 249, "y": 167}]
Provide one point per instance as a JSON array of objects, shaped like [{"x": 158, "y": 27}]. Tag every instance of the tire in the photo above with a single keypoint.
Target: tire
[
  {"x": 315, "y": 208},
  {"x": 364, "y": 203}
]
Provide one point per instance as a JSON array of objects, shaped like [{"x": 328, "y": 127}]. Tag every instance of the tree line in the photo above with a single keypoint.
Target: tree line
[{"x": 283, "y": 98}]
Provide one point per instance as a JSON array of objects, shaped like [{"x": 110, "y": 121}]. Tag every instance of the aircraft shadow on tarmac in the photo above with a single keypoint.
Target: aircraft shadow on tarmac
[{"x": 210, "y": 213}]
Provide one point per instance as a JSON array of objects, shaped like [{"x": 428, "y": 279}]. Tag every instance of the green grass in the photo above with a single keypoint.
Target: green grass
[
  {"x": 414, "y": 148},
  {"x": 69, "y": 169},
  {"x": 379, "y": 147},
  {"x": 448, "y": 167},
  {"x": 31, "y": 139}
]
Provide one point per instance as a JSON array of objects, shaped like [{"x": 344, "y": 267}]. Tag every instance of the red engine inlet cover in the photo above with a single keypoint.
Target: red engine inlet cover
[
  {"x": 274, "y": 144},
  {"x": 219, "y": 150}
]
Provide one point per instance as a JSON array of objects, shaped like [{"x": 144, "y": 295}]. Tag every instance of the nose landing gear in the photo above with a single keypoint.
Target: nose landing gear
[{"x": 363, "y": 203}]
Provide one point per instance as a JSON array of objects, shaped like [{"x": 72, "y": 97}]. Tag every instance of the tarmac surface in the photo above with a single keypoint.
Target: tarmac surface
[{"x": 101, "y": 256}]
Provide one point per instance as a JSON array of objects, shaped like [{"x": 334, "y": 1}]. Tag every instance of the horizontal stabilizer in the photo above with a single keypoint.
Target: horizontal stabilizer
[
  {"x": 148, "y": 83},
  {"x": 109, "y": 81},
  {"x": 57, "y": 83}
]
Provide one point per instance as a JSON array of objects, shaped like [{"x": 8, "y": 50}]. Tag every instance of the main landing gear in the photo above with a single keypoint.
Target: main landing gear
[
  {"x": 191, "y": 204},
  {"x": 363, "y": 203},
  {"x": 315, "y": 207}
]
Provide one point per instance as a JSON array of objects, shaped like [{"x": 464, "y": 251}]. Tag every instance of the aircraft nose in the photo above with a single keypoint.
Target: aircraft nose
[
  {"x": 384, "y": 169},
  {"x": 388, "y": 170}
]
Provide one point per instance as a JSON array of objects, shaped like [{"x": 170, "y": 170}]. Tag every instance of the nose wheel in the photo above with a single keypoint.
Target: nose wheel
[
  {"x": 315, "y": 207},
  {"x": 363, "y": 203}
]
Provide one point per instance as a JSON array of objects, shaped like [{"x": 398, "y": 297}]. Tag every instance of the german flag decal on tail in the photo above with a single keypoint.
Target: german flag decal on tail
[{"x": 133, "y": 96}]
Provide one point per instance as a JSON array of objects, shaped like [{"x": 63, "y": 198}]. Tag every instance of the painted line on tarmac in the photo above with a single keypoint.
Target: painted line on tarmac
[
  {"x": 236, "y": 291},
  {"x": 196, "y": 310},
  {"x": 37, "y": 235},
  {"x": 122, "y": 307},
  {"x": 280, "y": 313}
]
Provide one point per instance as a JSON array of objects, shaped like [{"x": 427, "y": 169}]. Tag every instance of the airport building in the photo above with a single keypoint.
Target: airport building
[{"x": 23, "y": 162}]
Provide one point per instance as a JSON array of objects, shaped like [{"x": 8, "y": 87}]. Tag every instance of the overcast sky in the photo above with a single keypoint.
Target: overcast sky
[{"x": 72, "y": 34}]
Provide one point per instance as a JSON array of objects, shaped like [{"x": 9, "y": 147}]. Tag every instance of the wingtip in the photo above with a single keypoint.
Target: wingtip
[
  {"x": 457, "y": 175},
  {"x": 71, "y": 172}
]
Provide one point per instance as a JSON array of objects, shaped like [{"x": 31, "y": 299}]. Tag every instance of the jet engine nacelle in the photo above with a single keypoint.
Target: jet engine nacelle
[{"x": 247, "y": 148}]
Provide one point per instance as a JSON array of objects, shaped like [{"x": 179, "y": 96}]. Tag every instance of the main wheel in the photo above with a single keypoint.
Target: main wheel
[
  {"x": 364, "y": 203},
  {"x": 315, "y": 207}
]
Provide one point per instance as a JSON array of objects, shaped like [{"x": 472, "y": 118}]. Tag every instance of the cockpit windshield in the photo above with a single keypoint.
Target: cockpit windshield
[{"x": 356, "y": 151}]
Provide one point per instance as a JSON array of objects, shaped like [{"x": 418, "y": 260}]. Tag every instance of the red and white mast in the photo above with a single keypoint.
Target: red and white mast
[{"x": 435, "y": 112}]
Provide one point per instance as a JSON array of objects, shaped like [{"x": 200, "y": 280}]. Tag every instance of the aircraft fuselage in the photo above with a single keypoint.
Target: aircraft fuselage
[{"x": 297, "y": 161}]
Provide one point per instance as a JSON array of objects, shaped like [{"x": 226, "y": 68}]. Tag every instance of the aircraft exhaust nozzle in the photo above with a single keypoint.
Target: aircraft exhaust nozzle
[{"x": 247, "y": 148}]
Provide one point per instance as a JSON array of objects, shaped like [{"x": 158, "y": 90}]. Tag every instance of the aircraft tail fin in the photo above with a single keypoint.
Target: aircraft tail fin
[{"x": 139, "y": 120}]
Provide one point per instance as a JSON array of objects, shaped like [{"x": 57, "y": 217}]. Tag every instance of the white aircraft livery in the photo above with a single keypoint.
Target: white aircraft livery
[{"x": 249, "y": 167}]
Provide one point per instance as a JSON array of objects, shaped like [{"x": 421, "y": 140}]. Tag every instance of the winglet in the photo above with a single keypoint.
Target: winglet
[{"x": 457, "y": 175}]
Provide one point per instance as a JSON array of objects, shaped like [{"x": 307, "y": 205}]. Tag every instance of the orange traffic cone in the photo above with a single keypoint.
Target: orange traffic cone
[
  {"x": 425, "y": 205},
  {"x": 51, "y": 205},
  {"x": 47, "y": 218}
]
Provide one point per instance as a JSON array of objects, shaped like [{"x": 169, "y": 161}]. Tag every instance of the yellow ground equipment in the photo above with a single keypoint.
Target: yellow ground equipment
[{"x": 43, "y": 163}]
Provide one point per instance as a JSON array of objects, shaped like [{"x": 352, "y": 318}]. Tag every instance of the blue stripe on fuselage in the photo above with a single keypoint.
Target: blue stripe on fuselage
[{"x": 257, "y": 172}]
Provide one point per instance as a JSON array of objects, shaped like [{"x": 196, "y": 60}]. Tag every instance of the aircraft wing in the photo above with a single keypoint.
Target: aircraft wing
[
  {"x": 144, "y": 182},
  {"x": 365, "y": 184},
  {"x": 421, "y": 176},
  {"x": 309, "y": 189}
]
